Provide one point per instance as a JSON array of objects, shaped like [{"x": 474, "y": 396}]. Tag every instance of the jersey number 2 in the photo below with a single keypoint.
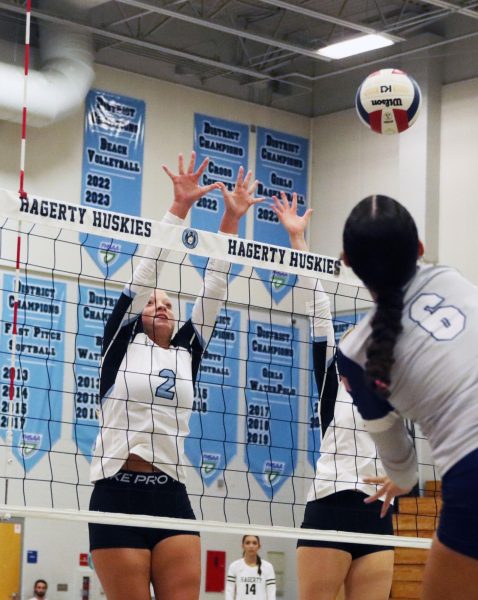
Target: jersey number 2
[
  {"x": 166, "y": 389},
  {"x": 441, "y": 322}
]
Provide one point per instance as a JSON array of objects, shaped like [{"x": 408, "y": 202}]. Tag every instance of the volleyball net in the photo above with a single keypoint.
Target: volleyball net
[{"x": 254, "y": 426}]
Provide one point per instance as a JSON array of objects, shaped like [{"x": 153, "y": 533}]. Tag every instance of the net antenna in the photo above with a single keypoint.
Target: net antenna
[{"x": 22, "y": 194}]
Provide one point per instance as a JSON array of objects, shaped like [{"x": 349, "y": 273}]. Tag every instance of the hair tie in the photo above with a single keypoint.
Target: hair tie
[{"x": 381, "y": 385}]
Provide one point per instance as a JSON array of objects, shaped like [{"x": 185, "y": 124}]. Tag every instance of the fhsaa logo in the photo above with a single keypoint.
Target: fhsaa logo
[
  {"x": 109, "y": 252},
  {"x": 273, "y": 470},
  {"x": 30, "y": 443},
  {"x": 278, "y": 279},
  {"x": 209, "y": 464},
  {"x": 190, "y": 238}
]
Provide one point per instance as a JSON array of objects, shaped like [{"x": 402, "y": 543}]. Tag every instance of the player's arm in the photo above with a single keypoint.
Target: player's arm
[
  {"x": 231, "y": 583},
  {"x": 214, "y": 290},
  {"x": 318, "y": 308},
  {"x": 385, "y": 426},
  {"x": 270, "y": 583}
]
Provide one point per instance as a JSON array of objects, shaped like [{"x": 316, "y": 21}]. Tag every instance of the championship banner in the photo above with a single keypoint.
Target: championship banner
[
  {"x": 343, "y": 322},
  {"x": 112, "y": 169},
  {"x": 281, "y": 166},
  {"x": 94, "y": 307},
  {"x": 272, "y": 428},
  {"x": 39, "y": 366},
  {"x": 226, "y": 144},
  {"x": 212, "y": 441}
]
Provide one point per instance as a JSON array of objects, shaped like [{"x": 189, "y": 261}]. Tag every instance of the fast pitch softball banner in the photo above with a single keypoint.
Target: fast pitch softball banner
[
  {"x": 272, "y": 391},
  {"x": 36, "y": 409},
  {"x": 112, "y": 169},
  {"x": 212, "y": 441},
  {"x": 94, "y": 307},
  {"x": 226, "y": 144},
  {"x": 281, "y": 166}
]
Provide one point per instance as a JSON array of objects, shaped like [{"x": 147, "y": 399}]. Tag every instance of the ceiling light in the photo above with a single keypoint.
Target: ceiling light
[{"x": 357, "y": 45}]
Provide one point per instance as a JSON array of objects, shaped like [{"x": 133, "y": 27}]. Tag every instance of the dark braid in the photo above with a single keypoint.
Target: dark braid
[
  {"x": 386, "y": 327},
  {"x": 381, "y": 244},
  {"x": 259, "y": 563}
]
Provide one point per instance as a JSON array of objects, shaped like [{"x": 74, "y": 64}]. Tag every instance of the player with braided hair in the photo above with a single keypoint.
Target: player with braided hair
[
  {"x": 250, "y": 577},
  {"x": 415, "y": 356}
]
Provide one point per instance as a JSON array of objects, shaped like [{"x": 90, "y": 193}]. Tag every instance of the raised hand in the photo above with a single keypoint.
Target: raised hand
[
  {"x": 387, "y": 489},
  {"x": 292, "y": 222},
  {"x": 186, "y": 185},
  {"x": 238, "y": 202}
]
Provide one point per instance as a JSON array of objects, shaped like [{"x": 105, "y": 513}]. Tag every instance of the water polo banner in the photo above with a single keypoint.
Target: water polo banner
[
  {"x": 40, "y": 358},
  {"x": 212, "y": 442},
  {"x": 226, "y": 144},
  {"x": 112, "y": 168},
  {"x": 272, "y": 392},
  {"x": 55, "y": 213},
  {"x": 94, "y": 307},
  {"x": 281, "y": 166}
]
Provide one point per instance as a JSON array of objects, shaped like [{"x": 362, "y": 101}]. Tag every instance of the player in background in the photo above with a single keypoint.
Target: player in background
[
  {"x": 347, "y": 456},
  {"x": 251, "y": 577}
]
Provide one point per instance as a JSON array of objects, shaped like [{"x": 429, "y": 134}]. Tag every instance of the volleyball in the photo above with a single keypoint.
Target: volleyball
[{"x": 388, "y": 101}]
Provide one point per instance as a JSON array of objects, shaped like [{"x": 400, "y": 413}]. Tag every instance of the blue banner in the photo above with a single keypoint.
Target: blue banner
[
  {"x": 343, "y": 322},
  {"x": 272, "y": 436},
  {"x": 226, "y": 144},
  {"x": 281, "y": 166},
  {"x": 212, "y": 441},
  {"x": 112, "y": 170},
  {"x": 94, "y": 307},
  {"x": 39, "y": 366}
]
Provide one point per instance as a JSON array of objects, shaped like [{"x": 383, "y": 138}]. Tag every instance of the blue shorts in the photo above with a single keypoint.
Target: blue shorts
[
  {"x": 130, "y": 492},
  {"x": 458, "y": 526},
  {"x": 346, "y": 511}
]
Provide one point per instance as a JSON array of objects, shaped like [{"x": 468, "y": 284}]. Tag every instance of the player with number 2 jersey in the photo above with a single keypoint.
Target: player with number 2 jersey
[{"x": 147, "y": 393}]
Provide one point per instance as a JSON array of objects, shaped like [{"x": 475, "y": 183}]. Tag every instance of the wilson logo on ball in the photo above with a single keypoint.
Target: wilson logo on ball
[{"x": 388, "y": 101}]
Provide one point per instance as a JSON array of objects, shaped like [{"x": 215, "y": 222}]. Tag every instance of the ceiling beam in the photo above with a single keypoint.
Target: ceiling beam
[
  {"x": 302, "y": 10},
  {"x": 139, "y": 43},
  {"x": 453, "y": 8},
  {"x": 241, "y": 33}
]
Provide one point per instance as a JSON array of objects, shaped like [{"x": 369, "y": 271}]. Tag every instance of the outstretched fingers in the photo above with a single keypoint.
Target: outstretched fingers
[
  {"x": 168, "y": 172},
  {"x": 192, "y": 162},
  {"x": 202, "y": 168},
  {"x": 181, "y": 163},
  {"x": 240, "y": 177},
  {"x": 308, "y": 213},
  {"x": 208, "y": 188}
]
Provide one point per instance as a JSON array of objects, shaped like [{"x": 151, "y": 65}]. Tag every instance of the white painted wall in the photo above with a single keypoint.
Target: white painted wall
[{"x": 458, "y": 178}]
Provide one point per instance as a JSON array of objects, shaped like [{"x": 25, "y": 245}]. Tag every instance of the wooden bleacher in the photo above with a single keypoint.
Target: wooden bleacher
[{"x": 417, "y": 517}]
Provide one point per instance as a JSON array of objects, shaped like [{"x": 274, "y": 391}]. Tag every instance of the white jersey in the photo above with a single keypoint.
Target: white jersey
[
  {"x": 245, "y": 583},
  {"x": 147, "y": 391},
  {"x": 347, "y": 453},
  {"x": 434, "y": 377}
]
